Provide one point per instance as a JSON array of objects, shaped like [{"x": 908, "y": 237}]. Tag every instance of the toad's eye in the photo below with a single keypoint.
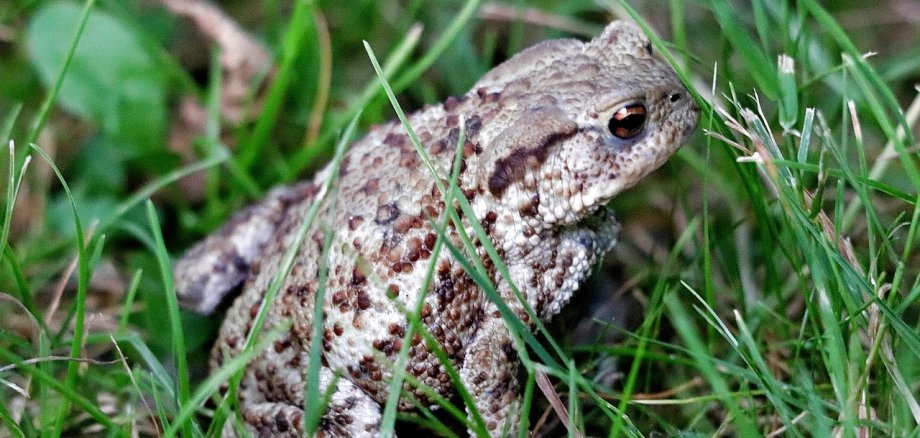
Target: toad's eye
[{"x": 628, "y": 121}]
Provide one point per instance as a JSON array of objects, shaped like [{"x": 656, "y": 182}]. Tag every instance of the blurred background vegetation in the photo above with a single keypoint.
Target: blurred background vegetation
[{"x": 149, "y": 92}]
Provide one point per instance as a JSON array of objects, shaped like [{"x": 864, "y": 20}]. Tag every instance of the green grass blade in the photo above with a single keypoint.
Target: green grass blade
[
  {"x": 292, "y": 47},
  {"x": 51, "y": 98},
  {"x": 172, "y": 305},
  {"x": 212, "y": 384},
  {"x": 745, "y": 425},
  {"x": 313, "y": 410},
  {"x": 79, "y": 306},
  {"x": 440, "y": 45}
]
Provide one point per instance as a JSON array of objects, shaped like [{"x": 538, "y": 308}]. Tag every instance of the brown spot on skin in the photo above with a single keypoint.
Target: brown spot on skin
[
  {"x": 408, "y": 158},
  {"x": 509, "y": 351},
  {"x": 367, "y": 364},
  {"x": 468, "y": 150},
  {"x": 405, "y": 223},
  {"x": 345, "y": 167},
  {"x": 451, "y": 103},
  {"x": 354, "y": 222},
  {"x": 439, "y": 146},
  {"x": 304, "y": 191},
  {"x": 341, "y": 418},
  {"x": 282, "y": 345},
  {"x": 392, "y": 291},
  {"x": 306, "y": 291},
  {"x": 395, "y": 139},
  {"x": 530, "y": 209},
  {"x": 371, "y": 186},
  {"x": 430, "y": 240},
  {"x": 319, "y": 240},
  {"x": 473, "y": 125},
  {"x": 567, "y": 262},
  {"x": 386, "y": 214},
  {"x": 443, "y": 268},
  {"x": 487, "y": 226},
  {"x": 363, "y": 300},
  {"x": 432, "y": 210},
  {"x": 337, "y": 329},
  {"x": 357, "y": 276},
  {"x": 281, "y": 423},
  {"x": 445, "y": 291},
  {"x": 453, "y": 137},
  {"x": 414, "y": 245}
]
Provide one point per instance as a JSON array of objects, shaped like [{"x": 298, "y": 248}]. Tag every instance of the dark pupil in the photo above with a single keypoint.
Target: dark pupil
[{"x": 628, "y": 121}]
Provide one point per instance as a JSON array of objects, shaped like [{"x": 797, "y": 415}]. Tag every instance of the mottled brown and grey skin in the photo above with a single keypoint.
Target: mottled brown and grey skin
[{"x": 540, "y": 163}]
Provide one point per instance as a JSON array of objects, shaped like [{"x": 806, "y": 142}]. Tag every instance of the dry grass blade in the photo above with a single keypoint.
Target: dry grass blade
[{"x": 555, "y": 401}]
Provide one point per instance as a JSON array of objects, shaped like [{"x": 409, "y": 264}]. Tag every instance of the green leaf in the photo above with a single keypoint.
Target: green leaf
[{"x": 112, "y": 80}]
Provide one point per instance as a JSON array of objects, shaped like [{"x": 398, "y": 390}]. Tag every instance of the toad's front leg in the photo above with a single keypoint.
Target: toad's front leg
[
  {"x": 350, "y": 412},
  {"x": 272, "y": 393},
  {"x": 490, "y": 374}
]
